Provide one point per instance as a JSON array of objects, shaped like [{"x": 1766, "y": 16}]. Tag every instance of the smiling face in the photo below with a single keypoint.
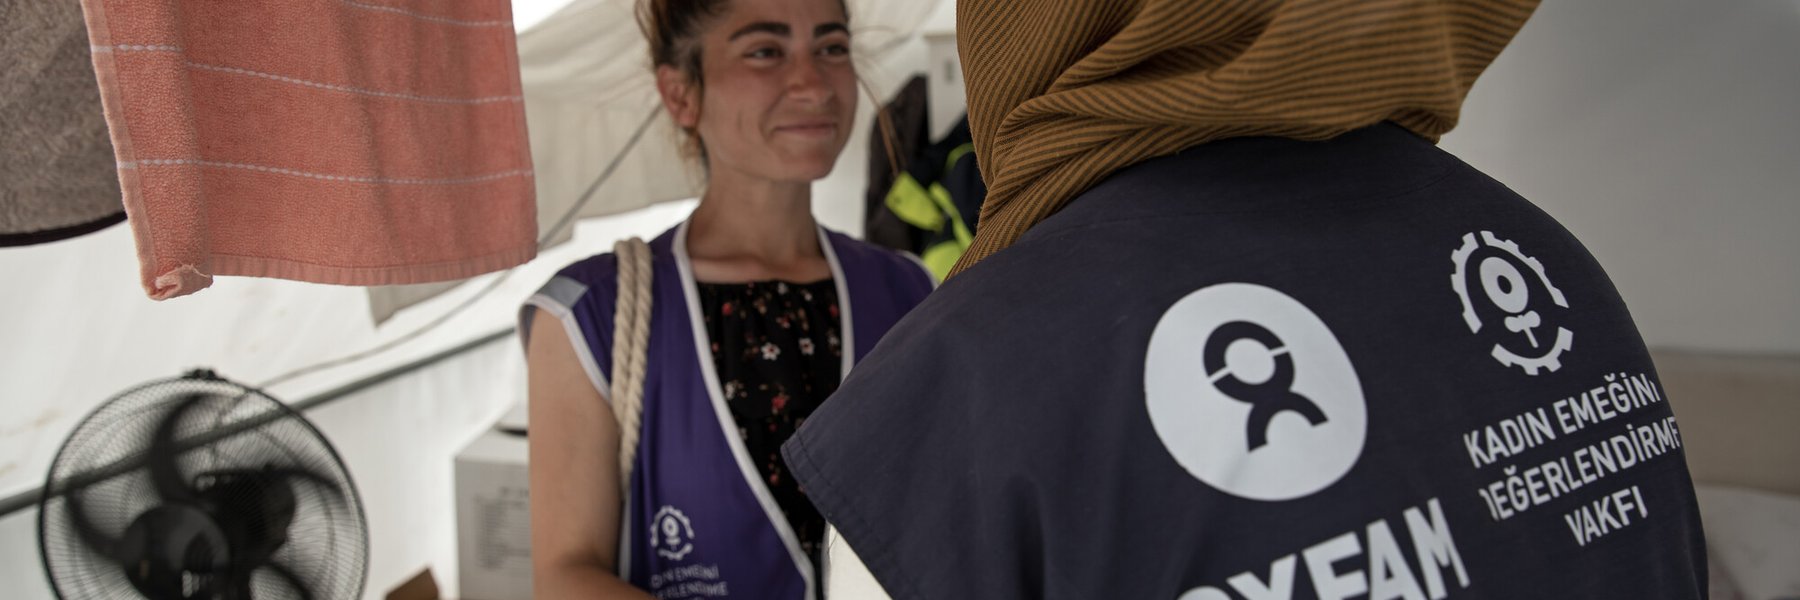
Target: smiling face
[{"x": 777, "y": 91}]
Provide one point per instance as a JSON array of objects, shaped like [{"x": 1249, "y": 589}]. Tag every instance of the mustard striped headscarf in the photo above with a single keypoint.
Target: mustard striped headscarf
[{"x": 1063, "y": 93}]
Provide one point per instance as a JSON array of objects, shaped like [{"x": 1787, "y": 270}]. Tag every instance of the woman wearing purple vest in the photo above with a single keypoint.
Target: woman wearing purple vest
[{"x": 756, "y": 315}]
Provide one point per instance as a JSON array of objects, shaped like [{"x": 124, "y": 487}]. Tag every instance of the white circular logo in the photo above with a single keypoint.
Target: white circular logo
[
  {"x": 1252, "y": 394},
  {"x": 1205, "y": 593}
]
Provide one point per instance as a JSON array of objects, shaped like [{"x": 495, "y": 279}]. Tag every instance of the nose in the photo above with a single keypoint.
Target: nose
[{"x": 806, "y": 80}]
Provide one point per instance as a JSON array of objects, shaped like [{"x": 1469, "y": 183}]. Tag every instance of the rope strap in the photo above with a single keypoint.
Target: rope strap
[{"x": 631, "y": 341}]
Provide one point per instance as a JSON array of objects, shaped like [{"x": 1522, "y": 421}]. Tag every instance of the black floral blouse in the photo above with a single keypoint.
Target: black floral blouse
[{"x": 777, "y": 349}]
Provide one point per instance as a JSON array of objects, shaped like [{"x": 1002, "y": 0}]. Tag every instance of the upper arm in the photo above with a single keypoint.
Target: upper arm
[{"x": 574, "y": 445}]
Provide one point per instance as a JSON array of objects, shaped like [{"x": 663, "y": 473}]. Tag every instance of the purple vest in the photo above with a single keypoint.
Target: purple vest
[{"x": 698, "y": 522}]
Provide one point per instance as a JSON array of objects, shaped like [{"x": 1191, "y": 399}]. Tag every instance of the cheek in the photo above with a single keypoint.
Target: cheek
[
  {"x": 732, "y": 101},
  {"x": 844, "y": 77},
  {"x": 720, "y": 116},
  {"x": 845, "y": 85}
]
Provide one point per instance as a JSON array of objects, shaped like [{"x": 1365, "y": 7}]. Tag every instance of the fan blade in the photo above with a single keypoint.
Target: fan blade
[
  {"x": 164, "y": 472},
  {"x": 289, "y": 476},
  {"x": 308, "y": 475},
  {"x": 292, "y": 580},
  {"x": 85, "y": 529},
  {"x": 295, "y": 473}
]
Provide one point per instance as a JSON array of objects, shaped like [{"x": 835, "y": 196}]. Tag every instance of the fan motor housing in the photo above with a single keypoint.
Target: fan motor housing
[{"x": 172, "y": 551}]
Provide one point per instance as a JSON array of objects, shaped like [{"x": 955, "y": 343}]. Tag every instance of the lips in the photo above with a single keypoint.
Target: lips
[{"x": 809, "y": 128}]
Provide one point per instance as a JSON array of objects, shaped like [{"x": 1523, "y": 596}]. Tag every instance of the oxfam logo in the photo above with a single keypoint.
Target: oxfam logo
[{"x": 1252, "y": 394}]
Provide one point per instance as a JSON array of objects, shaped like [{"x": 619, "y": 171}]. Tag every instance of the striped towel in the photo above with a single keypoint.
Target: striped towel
[{"x": 354, "y": 142}]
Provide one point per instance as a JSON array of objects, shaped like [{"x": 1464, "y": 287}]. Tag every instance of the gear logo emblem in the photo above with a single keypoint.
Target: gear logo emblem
[
  {"x": 671, "y": 533},
  {"x": 1496, "y": 269}
]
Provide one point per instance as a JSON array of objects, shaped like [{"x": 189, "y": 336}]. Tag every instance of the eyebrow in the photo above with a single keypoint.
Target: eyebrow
[{"x": 781, "y": 29}]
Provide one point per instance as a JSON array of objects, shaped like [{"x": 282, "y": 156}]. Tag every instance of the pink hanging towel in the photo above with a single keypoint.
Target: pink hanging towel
[{"x": 356, "y": 142}]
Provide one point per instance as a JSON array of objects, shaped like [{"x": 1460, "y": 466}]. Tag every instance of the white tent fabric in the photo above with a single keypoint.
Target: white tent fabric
[
  {"x": 588, "y": 88},
  {"x": 1657, "y": 130}
]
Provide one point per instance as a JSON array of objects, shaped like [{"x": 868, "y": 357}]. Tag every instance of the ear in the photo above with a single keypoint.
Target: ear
[{"x": 679, "y": 96}]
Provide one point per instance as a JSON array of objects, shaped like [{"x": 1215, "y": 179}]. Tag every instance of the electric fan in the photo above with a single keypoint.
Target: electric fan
[{"x": 198, "y": 488}]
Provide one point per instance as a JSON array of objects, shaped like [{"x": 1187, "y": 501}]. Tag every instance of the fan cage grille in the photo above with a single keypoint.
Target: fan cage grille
[{"x": 102, "y": 470}]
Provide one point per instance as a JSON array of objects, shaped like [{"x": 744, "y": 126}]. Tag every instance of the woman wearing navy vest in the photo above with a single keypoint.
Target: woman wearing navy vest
[{"x": 757, "y": 313}]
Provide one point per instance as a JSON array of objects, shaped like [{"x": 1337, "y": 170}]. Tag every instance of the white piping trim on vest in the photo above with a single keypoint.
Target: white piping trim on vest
[
  {"x": 690, "y": 292},
  {"x": 919, "y": 262},
  {"x": 847, "y": 344},
  {"x": 583, "y": 353},
  {"x": 624, "y": 552}
]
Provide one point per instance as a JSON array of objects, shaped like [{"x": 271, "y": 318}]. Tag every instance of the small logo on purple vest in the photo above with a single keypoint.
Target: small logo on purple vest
[{"x": 671, "y": 533}]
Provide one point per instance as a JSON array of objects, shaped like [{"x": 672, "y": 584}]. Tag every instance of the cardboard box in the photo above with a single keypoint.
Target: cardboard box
[
  {"x": 421, "y": 587},
  {"x": 493, "y": 517}
]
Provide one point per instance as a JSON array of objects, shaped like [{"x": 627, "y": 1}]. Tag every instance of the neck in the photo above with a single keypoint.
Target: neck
[{"x": 752, "y": 229}]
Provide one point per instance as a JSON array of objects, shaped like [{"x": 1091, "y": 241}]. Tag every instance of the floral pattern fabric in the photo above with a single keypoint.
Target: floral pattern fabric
[{"x": 778, "y": 352}]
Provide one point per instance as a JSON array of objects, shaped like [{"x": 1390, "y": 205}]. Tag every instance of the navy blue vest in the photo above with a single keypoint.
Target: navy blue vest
[
  {"x": 1267, "y": 368},
  {"x": 698, "y": 522}
]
